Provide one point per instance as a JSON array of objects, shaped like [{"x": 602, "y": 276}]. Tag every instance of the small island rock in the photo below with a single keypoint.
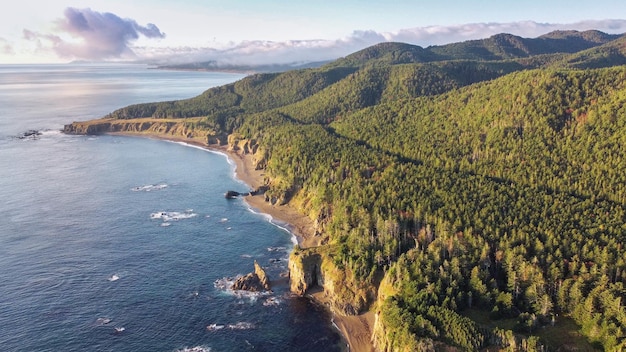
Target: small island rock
[{"x": 254, "y": 282}]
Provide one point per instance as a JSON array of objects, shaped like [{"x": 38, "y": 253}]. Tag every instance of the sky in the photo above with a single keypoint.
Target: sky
[{"x": 272, "y": 31}]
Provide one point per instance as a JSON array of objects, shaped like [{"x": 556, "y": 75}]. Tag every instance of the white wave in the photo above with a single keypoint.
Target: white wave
[
  {"x": 281, "y": 225},
  {"x": 214, "y": 327},
  {"x": 102, "y": 321},
  {"x": 242, "y": 325},
  {"x": 272, "y": 302},
  {"x": 225, "y": 285},
  {"x": 165, "y": 224},
  {"x": 149, "y": 188},
  {"x": 246, "y": 256},
  {"x": 168, "y": 216},
  {"x": 119, "y": 329},
  {"x": 114, "y": 277},
  {"x": 194, "y": 349},
  {"x": 276, "y": 249},
  {"x": 51, "y": 132},
  {"x": 223, "y": 220}
]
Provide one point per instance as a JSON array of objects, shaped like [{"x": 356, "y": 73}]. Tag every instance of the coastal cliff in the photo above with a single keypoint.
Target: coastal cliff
[
  {"x": 312, "y": 268},
  {"x": 189, "y": 128}
]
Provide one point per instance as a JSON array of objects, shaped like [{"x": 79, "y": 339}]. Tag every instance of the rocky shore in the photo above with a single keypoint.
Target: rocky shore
[{"x": 305, "y": 279}]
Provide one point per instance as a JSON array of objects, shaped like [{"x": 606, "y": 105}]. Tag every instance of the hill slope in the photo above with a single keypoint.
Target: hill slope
[{"x": 468, "y": 194}]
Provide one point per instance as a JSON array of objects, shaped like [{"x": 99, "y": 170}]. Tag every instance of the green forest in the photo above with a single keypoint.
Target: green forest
[{"x": 472, "y": 194}]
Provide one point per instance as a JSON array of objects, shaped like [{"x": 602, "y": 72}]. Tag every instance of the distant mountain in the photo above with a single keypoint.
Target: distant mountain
[
  {"x": 498, "y": 47},
  {"x": 610, "y": 54},
  {"x": 508, "y": 46},
  {"x": 388, "y": 53},
  {"x": 215, "y": 66}
]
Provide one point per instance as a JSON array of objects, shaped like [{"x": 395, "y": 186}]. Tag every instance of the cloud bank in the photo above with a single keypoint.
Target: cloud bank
[
  {"x": 92, "y": 35},
  {"x": 98, "y": 36},
  {"x": 266, "y": 52}
]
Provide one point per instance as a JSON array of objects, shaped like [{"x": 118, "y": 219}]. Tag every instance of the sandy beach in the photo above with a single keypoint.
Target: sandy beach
[{"x": 356, "y": 330}]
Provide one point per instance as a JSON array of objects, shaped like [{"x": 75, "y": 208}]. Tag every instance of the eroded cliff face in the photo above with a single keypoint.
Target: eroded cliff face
[
  {"x": 380, "y": 333},
  {"x": 245, "y": 146},
  {"x": 311, "y": 267},
  {"x": 305, "y": 271},
  {"x": 166, "y": 128}
]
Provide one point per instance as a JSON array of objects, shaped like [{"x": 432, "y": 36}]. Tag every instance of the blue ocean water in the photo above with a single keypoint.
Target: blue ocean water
[{"x": 115, "y": 243}]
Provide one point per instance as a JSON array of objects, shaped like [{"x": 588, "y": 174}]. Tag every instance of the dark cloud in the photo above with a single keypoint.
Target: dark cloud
[{"x": 95, "y": 35}]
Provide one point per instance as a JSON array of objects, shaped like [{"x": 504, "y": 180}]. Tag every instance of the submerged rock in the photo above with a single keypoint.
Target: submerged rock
[
  {"x": 30, "y": 134},
  {"x": 254, "y": 282}
]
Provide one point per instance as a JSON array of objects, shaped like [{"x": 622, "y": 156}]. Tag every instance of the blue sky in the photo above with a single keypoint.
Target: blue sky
[{"x": 272, "y": 30}]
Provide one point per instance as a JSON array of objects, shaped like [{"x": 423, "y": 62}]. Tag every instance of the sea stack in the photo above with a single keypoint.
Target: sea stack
[{"x": 254, "y": 282}]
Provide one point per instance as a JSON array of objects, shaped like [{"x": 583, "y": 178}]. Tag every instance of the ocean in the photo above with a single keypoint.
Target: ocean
[{"x": 114, "y": 243}]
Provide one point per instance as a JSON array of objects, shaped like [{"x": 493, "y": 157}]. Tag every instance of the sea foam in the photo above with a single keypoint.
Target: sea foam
[
  {"x": 149, "y": 188},
  {"x": 224, "y": 284},
  {"x": 195, "y": 349},
  {"x": 168, "y": 216}
]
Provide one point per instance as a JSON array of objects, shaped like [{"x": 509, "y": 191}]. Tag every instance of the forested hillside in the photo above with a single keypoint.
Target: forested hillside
[{"x": 471, "y": 195}]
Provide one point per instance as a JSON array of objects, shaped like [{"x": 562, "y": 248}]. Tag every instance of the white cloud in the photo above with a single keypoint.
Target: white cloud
[
  {"x": 87, "y": 34},
  {"x": 437, "y": 35},
  {"x": 264, "y": 52},
  {"x": 92, "y": 35}
]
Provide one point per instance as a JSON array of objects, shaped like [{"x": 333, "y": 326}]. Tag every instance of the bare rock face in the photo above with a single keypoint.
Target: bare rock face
[
  {"x": 263, "y": 278},
  {"x": 305, "y": 271},
  {"x": 254, "y": 282}
]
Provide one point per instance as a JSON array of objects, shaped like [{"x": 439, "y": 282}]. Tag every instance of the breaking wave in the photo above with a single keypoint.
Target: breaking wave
[
  {"x": 195, "y": 349},
  {"x": 272, "y": 302},
  {"x": 276, "y": 249},
  {"x": 242, "y": 325},
  {"x": 224, "y": 284},
  {"x": 168, "y": 216},
  {"x": 149, "y": 188},
  {"x": 102, "y": 321}
]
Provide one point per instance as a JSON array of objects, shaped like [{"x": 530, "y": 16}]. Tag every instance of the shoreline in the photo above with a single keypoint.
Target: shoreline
[{"x": 356, "y": 331}]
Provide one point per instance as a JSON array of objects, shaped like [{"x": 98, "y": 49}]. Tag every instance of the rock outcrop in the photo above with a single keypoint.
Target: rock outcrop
[
  {"x": 244, "y": 146},
  {"x": 311, "y": 267},
  {"x": 254, "y": 282},
  {"x": 187, "y": 128},
  {"x": 305, "y": 271}
]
